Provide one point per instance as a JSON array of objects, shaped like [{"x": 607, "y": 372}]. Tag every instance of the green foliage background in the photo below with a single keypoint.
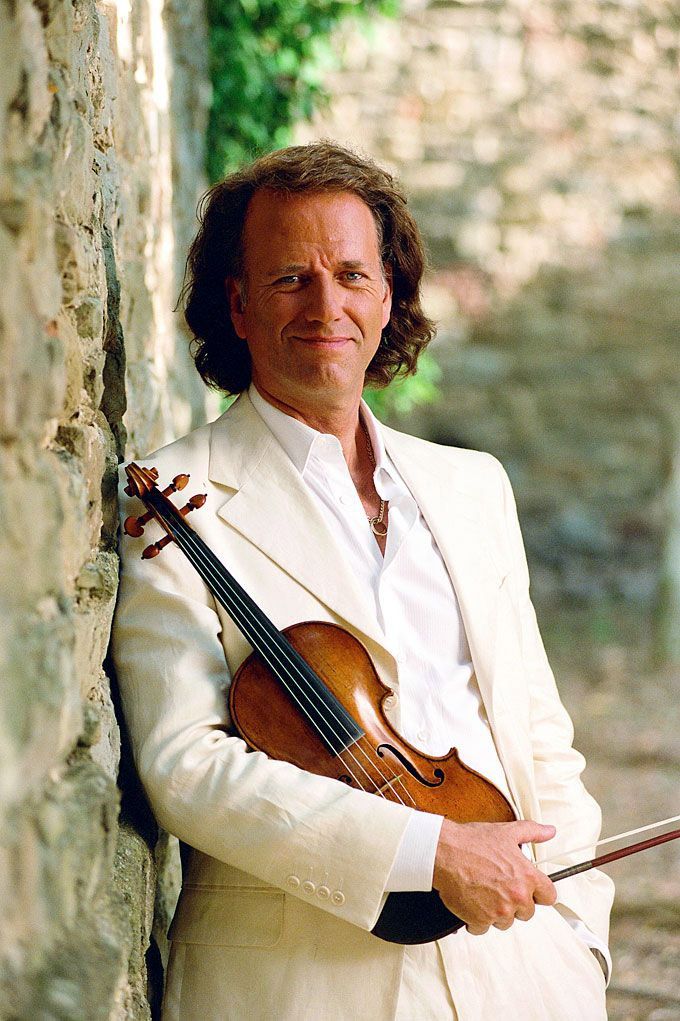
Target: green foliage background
[
  {"x": 267, "y": 63},
  {"x": 268, "y": 59}
]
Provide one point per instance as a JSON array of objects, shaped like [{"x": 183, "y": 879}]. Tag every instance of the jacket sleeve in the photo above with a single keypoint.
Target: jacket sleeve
[
  {"x": 557, "y": 766},
  {"x": 265, "y": 817}
]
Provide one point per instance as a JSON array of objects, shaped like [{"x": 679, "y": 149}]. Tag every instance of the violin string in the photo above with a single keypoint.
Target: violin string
[
  {"x": 273, "y": 661},
  {"x": 247, "y": 627},
  {"x": 396, "y": 779},
  {"x": 185, "y": 533},
  {"x": 234, "y": 595},
  {"x": 388, "y": 781},
  {"x": 189, "y": 535}
]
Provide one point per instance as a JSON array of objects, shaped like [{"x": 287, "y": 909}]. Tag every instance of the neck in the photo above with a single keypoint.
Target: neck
[{"x": 341, "y": 420}]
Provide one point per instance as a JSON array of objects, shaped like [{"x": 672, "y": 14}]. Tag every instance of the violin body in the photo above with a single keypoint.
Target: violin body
[{"x": 380, "y": 762}]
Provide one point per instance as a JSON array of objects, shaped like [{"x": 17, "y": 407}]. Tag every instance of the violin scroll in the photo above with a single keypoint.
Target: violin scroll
[
  {"x": 141, "y": 483},
  {"x": 140, "y": 480}
]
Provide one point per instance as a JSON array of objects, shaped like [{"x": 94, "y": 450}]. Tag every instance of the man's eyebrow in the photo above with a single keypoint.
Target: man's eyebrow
[
  {"x": 353, "y": 264},
  {"x": 295, "y": 267},
  {"x": 292, "y": 267}
]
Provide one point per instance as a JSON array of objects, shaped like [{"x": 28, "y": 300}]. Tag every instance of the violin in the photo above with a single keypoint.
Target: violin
[{"x": 310, "y": 695}]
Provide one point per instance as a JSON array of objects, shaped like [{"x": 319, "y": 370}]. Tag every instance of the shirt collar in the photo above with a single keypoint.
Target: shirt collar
[{"x": 298, "y": 439}]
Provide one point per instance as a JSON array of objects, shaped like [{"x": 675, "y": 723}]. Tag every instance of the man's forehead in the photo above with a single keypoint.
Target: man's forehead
[{"x": 286, "y": 228}]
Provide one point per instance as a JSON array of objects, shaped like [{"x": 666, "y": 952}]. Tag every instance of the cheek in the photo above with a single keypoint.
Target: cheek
[{"x": 275, "y": 313}]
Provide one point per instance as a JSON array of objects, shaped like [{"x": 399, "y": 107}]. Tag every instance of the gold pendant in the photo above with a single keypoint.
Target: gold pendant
[{"x": 378, "y": 527}]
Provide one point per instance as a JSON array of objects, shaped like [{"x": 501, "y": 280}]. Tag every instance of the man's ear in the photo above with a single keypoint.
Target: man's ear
[{"x": 236, "y": 305}]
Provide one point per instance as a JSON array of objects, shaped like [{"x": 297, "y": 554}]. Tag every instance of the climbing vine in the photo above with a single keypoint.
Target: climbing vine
[{"x": 268, "y": 59}]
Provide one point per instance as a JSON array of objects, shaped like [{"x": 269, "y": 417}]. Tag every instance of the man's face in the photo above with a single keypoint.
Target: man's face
[{"x": 315, "y": 299}]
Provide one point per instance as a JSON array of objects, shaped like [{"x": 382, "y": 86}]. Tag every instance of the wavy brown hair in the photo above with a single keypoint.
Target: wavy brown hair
[{"x": 216, "y": 253}]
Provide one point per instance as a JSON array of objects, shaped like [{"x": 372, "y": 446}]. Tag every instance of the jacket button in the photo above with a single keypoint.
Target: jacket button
[
  {"x": 323, "y": 893},
  {"x": 308, "y": 886},
  {"x": 293, "y": 882},
  {"x": 338, "y": 897}
]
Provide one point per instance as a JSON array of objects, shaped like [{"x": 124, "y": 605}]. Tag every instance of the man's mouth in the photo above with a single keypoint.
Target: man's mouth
[{"x": 317, "y": 341}]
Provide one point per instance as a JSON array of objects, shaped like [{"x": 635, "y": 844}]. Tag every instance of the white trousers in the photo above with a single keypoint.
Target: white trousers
[
  {"x": 424, "y": 991},
  {"x": 539, "y": 972}
]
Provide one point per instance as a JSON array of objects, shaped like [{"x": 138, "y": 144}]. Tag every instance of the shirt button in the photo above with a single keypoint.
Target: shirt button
[
  {"x": 308, "y": 886},
  {"x": 390, "y": 701},
  {"x": 293, "y": 882},
  {"x": 422, "y": 735},
  {"x": 323, "y": 893},
  {"x": 338, "y": 897}
]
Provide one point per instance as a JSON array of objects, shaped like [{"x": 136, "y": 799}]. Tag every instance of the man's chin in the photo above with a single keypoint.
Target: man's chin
[{"x": 330, "y": 382}]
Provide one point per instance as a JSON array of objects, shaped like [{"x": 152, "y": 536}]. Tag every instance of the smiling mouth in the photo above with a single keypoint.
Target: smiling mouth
[{"x": 324, "y": 341}]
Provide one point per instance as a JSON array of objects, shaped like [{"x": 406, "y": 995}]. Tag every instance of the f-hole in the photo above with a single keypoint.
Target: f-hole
[{"x": 438, "y": 773}]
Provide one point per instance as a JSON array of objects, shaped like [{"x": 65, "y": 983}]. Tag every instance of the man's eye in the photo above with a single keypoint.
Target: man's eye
[
  {"x": 291, "y": 278},
  {"x": 353, "y": 275}
]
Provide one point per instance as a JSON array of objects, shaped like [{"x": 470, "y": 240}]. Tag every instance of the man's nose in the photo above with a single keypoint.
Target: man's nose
[{"x": 324, "y": 301}]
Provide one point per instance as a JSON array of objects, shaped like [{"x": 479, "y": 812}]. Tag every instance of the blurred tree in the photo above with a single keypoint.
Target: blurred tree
[
  {"x": 267, "y": 63},
  {"x": 402, "y": 396}
]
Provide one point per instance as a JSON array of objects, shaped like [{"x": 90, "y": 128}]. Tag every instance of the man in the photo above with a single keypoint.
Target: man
[{"x": 303, "y": 285}]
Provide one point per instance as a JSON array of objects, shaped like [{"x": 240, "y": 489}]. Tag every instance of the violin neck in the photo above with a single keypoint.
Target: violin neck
[
  {"x": 321, "y": 707},
  {"x": 255, "y": 626}
]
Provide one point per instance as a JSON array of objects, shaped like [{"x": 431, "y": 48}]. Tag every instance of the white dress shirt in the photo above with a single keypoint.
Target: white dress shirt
[{"x": 417, "y": 609}]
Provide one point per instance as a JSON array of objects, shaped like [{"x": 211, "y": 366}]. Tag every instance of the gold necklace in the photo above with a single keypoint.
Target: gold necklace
[{"x": 377, "y": 523}]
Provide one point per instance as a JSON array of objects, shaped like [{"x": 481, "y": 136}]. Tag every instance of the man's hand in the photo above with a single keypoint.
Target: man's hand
[{"x": 483, "y": 877}]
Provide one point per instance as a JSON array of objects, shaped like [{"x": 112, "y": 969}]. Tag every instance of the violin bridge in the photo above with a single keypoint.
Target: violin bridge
[{"x": 390, "y": 784}]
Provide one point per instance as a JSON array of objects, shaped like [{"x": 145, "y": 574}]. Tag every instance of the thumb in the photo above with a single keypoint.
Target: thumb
[{"x": 529, "y": 832}]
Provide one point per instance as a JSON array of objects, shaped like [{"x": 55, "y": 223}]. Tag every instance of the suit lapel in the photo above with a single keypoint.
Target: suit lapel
[
  {"x": 453, "y": 515},
  {"x": 268, "y": 503}
]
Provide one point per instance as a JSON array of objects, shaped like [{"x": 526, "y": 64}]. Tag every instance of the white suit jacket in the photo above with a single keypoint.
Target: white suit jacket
[{"x": 253, "y": 938}]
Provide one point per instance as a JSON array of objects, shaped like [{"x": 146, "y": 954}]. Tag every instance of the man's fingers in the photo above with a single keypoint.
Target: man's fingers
[
  {"x": 523, "y": 914},
  {"x": 545, "y": 892},
  {"x": 529, "y": 832},
  {"x": 483, "y": 877}
]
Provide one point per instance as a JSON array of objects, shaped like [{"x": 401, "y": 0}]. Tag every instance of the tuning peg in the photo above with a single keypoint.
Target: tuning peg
[
  {"x": 135, "y": 526},
  {"x": 195, "y": 503},
  {"x": 154, "y": 549}
]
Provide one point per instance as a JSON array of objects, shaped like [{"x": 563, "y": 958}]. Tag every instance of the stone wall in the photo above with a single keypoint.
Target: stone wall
[
  {"x": 538, "y": 145},
  {"x": 102, "y": 110}
]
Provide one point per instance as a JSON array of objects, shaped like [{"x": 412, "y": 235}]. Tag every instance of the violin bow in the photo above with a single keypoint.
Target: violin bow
[{"x": 622, "y": 852}]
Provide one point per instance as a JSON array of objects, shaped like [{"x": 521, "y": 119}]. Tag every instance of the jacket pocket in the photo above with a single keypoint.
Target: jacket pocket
[{"x": 228, "y": 917}]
